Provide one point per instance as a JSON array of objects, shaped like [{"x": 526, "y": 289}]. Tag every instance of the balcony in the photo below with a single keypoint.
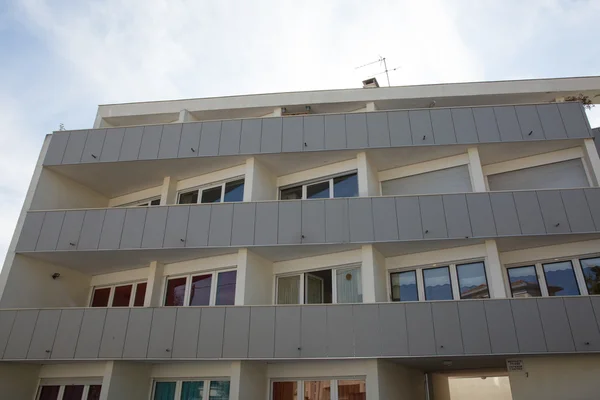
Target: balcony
[
  {"x": 70, "y": 237},
  {"x": 398, "y": 330},
  {"x": 384, "y": 129}
]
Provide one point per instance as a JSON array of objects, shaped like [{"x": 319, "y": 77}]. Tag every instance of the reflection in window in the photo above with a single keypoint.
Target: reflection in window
[
  {"x": 349, "y": 285},
  {"x": 94, "y": 392},
  {"x": 212, "y": 195},
  {"x": 188, "y": 197},
  {"x": 192, "y": 390},
  {"x": 226, "y": 288},
  {"x": 122, "y": 296},
  {"x": 175, "y": 292},
  {"x": 352, "y": 390},
  {"x": 200, "y": 290},
  {"x": 293, "y": 193},
  {"x": 288, "y": 289},
  {"x": 560, "y": 279},
  {"x": 524, "y": 282},
  {"x": 318, "y": 191},
  {"x": 140, "y": 295},
  {"x": 591, "y": 274},
  {"x": 73, "y": 392},
  {"x": 437, "y": 283},
  {"x": 49, "y": 392},
  {"x": 345, "y": 186},
  {"x": 164, "y": 391},
  {"x": 404, "y": 286},
  {"x": 219, "y": 390},
  {"x": 285, "y": 390},
  {"x": 101, "y": 297},
  {"x": 317, "y": 390},
  {"x": 234, "y": 191},
  {"x": 472, "y": 281}
]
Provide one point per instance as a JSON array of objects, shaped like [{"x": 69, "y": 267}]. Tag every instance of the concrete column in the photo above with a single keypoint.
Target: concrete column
[
  {"x": 154, "y": 286},
  {"x": 260, "y": 183},
  {"x": 254, "y": 284},
  {"x": 476, "y": 171},
  {"x": 373, "y": 275},
  {"x": 124, "y": 380},
  {"x": 18, "y": 381},
  {"x": 592, "y": 160},
  {"x": 388, "y": 380},
  {"x": 494, "y": 271},
  {"x": 371, "y": 106},
  {"x": 441, "y": 386},
  {"x": 168, "y": 192},
  {"x": 368, "y": 179},
  {"x": 186, "y": 116},
  {"x": 249, "y": 381}
]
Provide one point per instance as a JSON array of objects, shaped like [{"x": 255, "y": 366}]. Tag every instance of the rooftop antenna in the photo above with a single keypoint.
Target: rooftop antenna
[{"x": 385, "y": 71}]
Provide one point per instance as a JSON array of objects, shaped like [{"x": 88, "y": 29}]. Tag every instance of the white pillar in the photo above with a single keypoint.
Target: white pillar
[
  {"x": 592, "y": 160},
  {"x": 373, "y": 275},
  {"x": 19, "y": 381},
  {"x": 494, "y": 270},
  {"x": 370, "y": 106},
  {"x": 154, "y": 286},
  {"x": 260, "y": 183},
  {"x": 168, "y": 192},
  {"x": 124, "y": 380},
  {"x": 476, "y": 171},
  {"x": 368, "y": 179},
  {"x": 254, "y": 284},
  {"x": 249, "y": 381},
  {"x": 186, "y": 116}
]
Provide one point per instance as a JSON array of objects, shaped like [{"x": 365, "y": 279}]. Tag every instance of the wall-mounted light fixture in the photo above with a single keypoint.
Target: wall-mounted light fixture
[{"x": 55, "y": 275}]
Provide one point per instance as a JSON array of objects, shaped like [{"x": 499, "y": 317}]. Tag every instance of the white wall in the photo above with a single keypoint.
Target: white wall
[
  {"x": 30, "y": 285},
  {"x": 197, "y": 369},
  {"x": 557, "y": 378},
  {"x": 261, "y": 183},
  {"x": 73, "y": 370},
  {"x": 475, "y": 388},
  {"x": 254, "y": 279},
  {"x": 126, "y": 381},
  {"x": 249, "y": 381},
  {"x": 397, "y": 382},
  {"x": 55, "y": 191},
  {"x": 18, "y": 381}
]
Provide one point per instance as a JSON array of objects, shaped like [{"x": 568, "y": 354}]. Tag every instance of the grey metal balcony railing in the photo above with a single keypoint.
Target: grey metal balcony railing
[
  {"x": 352, "y": 220},
  {"x": 384, "y": 129},
  {"x": 447, "y": 328}
]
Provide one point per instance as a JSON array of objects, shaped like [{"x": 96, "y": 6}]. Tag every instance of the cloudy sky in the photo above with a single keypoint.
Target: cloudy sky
[{"x": 59, "y": 59}]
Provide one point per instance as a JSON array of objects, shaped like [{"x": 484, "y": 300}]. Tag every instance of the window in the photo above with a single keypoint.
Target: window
[
  {"x": 130, "y": 295},
  {"x": 69, "y": 392},
  {"x": 191, "y": 390},
  {"x": 451, "y": 282},
  {"x": 450, "y": 180},
  {"x": 569, "y": 277},
  {"x": 340, "y": 186},
  {"x": 338, "y": 285},
  {"x": 225, "y": 192},
  {"x": 143, "y": 203},
  {"x": 206, "y": 289},
  {"x": 330, "y": 389}
]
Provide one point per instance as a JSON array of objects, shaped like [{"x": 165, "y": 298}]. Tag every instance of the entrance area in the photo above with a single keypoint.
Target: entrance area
[{"x": 471, "y": 385}]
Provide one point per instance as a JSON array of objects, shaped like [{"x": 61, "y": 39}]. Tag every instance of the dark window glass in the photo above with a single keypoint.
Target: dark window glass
[
  {"x": 404, "y": 286},
  {"x": 94, "y": 392},
  {"x": 155, "y": 202},
  {"x": 188, "y": 197},
  {"x": 192, "y": 390},
  {"x": 122, "y": 296},
  {"x": 73, "y": 392},
  {"x": 219, "y": 390},
  {"x": 140, "y": 295},
  {"x": 143, "y": 205},
  {"x": 318, "y": 191},
  {"x": 560, "y": 279},
  {"x": 524, "y": 282},
  {"x": 293, "y": 193},
  {"x": 175, "y": 292},
  {"x": 591, "y": 274},
  {"x": 472, "y": 281},
  {"x": 285, "y": 390},
  {"x": 234, "y": 191},
  {"x": 200, "y": 290},
  {"x": 345, "y": 186},
  {"x": 212, "y": 195},
  {"x": 100, "y": 298},
  {"x": 164, "y": 391},
  {"x": 437, "y": 284},
  {"x": 49, "y": 392},
  {"x": 226, "y": 288},
  {"x": 352, "y": 390}
]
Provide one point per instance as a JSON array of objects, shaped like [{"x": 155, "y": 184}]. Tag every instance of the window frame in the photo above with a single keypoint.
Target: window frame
[
  {"x": 452, "y": 270},
  {"x": 188, "y": 285},
  {"x": 333, "y": 383},
  {"x": 541, "y": 274},
  {"x": 61, "y": 390},
  {"x": 112, "y": 287},
  {"x": 143, "y": 203},
  {"x": 302, "y": 288},
  {"x": 305, "y": 184},
  {"x": 179, "y": 385},
  {"x": 209, "y": 186}
]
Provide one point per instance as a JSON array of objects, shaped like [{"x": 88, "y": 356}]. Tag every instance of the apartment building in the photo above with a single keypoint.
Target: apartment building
[{"x": 421, "y": 242}]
